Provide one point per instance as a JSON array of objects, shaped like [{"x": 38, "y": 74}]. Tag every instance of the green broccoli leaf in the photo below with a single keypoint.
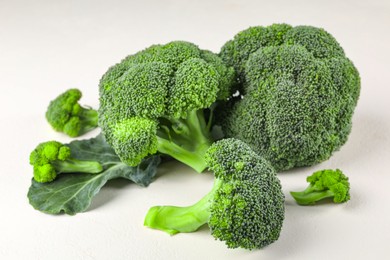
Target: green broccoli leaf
[
  {"x": 73, "y": 193},
  {"x": 94, "y": 149}
]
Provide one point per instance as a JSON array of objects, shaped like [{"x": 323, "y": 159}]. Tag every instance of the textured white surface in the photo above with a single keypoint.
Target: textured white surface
[{"x": 49, "y": 46}]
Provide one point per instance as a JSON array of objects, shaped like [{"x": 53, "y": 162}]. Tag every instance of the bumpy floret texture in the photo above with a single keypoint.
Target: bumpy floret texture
[
  {"x": 43, "y": 155},
  {"x": 298, "y": 89},
  {"x": 140, "y": 136},
  {"x": 162, "y": 83},
  {"x": 247, "y": 210},
  {"x": 237, "y": 51}
]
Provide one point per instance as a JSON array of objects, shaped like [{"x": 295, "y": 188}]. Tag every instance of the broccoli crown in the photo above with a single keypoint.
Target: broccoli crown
[
  {"x": 247, "y": 210},
  {"x": 298, "y": 89},
  {"x": 245, "y": 207},
  {"x": 65, "y": 114},
  {"x": 51, "y": 158},
  {"x": 324, "y": 184},
  {"x": 162, "y": 83},
  {"x": 43, "y": 155}
]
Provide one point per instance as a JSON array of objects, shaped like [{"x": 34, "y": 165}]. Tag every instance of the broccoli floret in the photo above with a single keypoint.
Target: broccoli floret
[
  {"x": 245, "y": 207},
  {"x": 298, "y": 93},
  {"x": 52, "y": 158},
  {"x": 65, "y": 115},
  {"x": 324, "y": 184},
  {"x": 158, "y": 100}
]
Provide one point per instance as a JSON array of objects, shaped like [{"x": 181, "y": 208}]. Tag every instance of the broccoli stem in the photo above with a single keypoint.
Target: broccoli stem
[
  {"x": 173, "y": 220},
  {"x": 309, "y": 198},
  {"x": 74, "y": 165},
  {"x": 187, "y": 140},
  {"x": 89, "y": 118},
  {"x": 194, "y": 159}
]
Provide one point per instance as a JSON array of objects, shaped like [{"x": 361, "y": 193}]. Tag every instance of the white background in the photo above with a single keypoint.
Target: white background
[{"x": 49, "y": 46}]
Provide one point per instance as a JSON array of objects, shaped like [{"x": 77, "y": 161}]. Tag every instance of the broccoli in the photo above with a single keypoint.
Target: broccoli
[
  {"x": 52, "y": 158},
  {"x": 298, "y": 93},
  {"x": 65, "y": 115},
  {"x": 158, "y": 100},
  {"x": 324, "y": 184},
  {"x": 245, "y": 207}
]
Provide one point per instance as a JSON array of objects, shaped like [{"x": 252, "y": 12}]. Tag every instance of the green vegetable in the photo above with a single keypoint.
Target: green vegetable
[
  {"x": 65, "y": 115},
  {"x": 52, "y": 158},
  {"x": 73, "y": 193},
  {"x": 324, "y": 184},
  {"x": 298, "y": 93},
  {"x": 158, "y": 100},
  {"x": 245, "y": 207}
]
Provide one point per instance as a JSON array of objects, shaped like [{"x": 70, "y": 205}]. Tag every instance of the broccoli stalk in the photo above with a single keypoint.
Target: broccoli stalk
[
  {"x": 186, "y": 140},
  {"x": 245, "y": 207},
  {"x": 74, "y": 165},
  {"x": 324, "y": 184},
  {"x": 65, "y": 115},
  {"x": 52, "y": 158},
  {"x": 173, "y": 220}
]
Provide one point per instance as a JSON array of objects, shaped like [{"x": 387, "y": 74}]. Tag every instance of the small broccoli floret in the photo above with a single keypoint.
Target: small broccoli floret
[
  {"x": 324, "y": 184},
  {"x": 298, "y": 90},
  {"x": 140, "y": 135},
  {"x": 245, "y": 207},
  {"x": 65, "y": 115},
  {"x": 169, "y": 88},
  {"x": 52, "y": 158}
]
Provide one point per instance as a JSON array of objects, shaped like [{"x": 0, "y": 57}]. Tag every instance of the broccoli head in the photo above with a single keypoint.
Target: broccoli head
[
  {"x": 52, "y": 158},
  {"x": 298, "y": 93},
  {"x": 156, "y": 101},
  {"x": 245, "y": 207},
  {"x": 324, "y": 184},
  {"x": 65, "y": 114}
]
